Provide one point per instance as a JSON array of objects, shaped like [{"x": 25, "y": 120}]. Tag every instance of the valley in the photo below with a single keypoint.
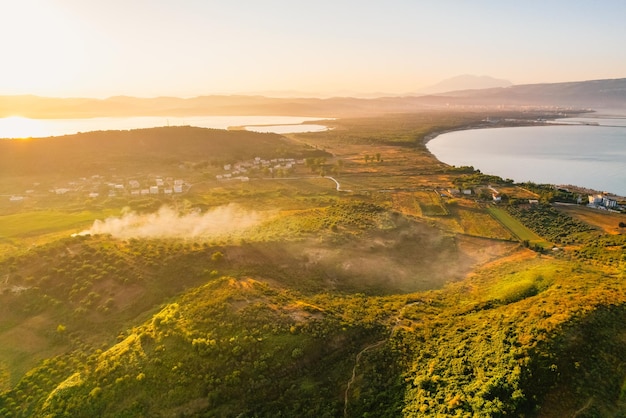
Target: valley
[{"x": 352, "y": 274}]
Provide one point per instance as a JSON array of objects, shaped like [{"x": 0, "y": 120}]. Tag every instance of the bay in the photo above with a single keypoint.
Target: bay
[
  {"x": 588, "y": 152},
  {"x": 20, "y": 127}
]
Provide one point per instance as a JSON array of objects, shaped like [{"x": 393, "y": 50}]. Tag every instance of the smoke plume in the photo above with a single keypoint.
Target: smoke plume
[{"x": 168, "y": 223}]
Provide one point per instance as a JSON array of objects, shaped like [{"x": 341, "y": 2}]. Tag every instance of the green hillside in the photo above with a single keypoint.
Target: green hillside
[{"x": 289, "y": 295}]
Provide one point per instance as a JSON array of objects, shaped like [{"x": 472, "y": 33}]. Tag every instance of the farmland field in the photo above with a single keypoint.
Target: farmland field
[
  {"x": 606, "y": 221},
  {"x": 475, "y": 221},
  {"x": 517, "y": 228}
]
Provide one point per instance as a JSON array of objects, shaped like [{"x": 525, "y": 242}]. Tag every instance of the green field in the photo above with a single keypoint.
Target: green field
[
  {"x": 517, "y": 228},
  {"x": 30, "y": 224}
]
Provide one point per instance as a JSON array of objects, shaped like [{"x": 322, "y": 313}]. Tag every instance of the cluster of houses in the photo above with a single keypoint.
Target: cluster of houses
[
  {"x": 598, "y": 201},
  {"x": 240, "y": 170},
  {"x": 96, "y": 186},
  {"x": 166, "y": 186},
  {"x": 495, "y": 194},
  {"x": 601, "y": 201},
  {"x": 457, "y": 192}
]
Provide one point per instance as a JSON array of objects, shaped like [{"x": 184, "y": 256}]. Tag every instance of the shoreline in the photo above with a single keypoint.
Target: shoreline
[{"x": 520, "y": 124}]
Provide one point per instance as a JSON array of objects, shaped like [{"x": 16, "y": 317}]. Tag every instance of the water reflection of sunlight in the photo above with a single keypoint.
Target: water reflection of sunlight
[{"x": 20, "y": 127}]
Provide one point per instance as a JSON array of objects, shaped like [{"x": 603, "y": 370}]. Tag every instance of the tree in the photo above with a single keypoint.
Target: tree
[
  {"x": 217, "y": 256},
  {"x": 297, "y": 353}
]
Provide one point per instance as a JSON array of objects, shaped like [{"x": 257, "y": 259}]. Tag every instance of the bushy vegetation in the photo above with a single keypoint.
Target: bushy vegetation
[
  {"x": 230, "y": 347},
  {"x": 97, "y": 152},
  {"x": 362, "y": 303},
  {"x": 549, "y": 193},
  {"x": 551, "y": 224}
]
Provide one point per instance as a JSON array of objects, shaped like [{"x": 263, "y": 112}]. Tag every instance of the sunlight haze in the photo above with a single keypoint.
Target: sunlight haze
[{"x": 73, "y": 48}]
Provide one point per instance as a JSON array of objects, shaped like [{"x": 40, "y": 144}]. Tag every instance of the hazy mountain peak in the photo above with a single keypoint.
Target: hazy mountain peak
[{"x": 465, "y": 82}]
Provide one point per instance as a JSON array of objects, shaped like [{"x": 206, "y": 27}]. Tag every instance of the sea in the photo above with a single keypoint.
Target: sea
[
  {"x": 20, "y": 127},
  {"x": 588, "y": 152}
]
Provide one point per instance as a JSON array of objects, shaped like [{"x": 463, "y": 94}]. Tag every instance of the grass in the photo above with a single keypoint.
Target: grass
[
  {"x": 522, "y": 284},
  {"x": 475, "y": 221},
  {"x": 419, "y": 203},
  {"x": 517, "y": 228},
  {"x": 601, "y": 219},
  {"x": 431, "y": 204},
  {"x": 36, "y": 223},
  {"x": 22, "y": 230},
  {"x": 405, "y": 202}
]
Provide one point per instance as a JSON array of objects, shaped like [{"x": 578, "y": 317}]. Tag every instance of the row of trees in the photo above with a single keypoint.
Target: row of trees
[{"x": 320, "y": 166}]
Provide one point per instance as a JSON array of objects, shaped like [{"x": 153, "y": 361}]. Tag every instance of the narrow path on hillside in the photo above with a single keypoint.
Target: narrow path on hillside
[
  {"x": 351, "y": 381},
  {"x": 581, "y": 410},
  {"x": 397, "y": 323}
]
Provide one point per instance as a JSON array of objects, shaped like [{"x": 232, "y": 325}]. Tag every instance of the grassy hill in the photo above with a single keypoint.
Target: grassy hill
[
  {"x": 139, "y": 149},
  {"x": 283, "y": 296}
]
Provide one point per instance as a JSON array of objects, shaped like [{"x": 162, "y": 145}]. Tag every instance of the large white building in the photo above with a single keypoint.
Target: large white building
[{"x": 602, "y": 200}]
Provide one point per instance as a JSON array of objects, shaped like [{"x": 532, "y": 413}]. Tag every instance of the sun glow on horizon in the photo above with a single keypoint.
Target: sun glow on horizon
[
  {"x": 99, "y": 49},
  {"x": 47, "y": 47},
  {"x": 19, "y": 127}
]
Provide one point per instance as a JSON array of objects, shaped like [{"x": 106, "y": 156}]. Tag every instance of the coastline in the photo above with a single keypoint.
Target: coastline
[{"x": 583, "y": 190}]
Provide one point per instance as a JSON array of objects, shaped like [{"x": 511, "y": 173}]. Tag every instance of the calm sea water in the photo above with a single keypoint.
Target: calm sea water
[
  {"x": 19, "y": 127},
  {"x": 592, "y": 156}
]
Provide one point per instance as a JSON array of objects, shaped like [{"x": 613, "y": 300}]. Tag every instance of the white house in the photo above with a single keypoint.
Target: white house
[
  {"x": 609, "y": 203},
  {"x": 595, "y": 199}
]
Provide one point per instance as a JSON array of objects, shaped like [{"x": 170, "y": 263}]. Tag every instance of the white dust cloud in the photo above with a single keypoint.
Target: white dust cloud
[{"x": 168, "y": 223}]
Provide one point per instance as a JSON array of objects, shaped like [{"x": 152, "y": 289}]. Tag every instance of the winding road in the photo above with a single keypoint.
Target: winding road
[{"x": 337, "y": 183}]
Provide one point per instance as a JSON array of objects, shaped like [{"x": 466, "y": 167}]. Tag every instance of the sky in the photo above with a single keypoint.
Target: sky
[{"x": 187, "y": 48}]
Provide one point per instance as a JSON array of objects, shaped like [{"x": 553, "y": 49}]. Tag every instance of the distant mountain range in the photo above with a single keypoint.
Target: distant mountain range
[
  {"x": 464, "y": 82},
  {"x": 596, "y": 94}
]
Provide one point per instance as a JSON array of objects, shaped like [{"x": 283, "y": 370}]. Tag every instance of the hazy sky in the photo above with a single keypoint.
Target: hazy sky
[{"x": 147, "y": 48}]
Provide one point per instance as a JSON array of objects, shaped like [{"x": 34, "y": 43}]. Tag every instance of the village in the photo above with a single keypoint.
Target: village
[
  {"x": 100, "y": 186},
  {"x": 241, "y": 170}
]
